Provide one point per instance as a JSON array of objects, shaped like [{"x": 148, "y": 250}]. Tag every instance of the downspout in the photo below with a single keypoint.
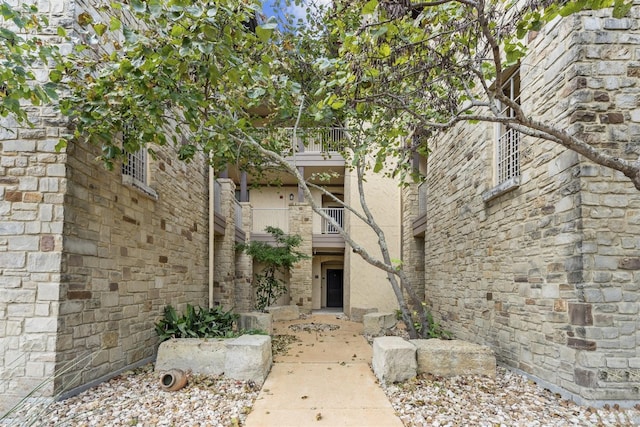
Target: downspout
[{"x": 211, "y": 232}]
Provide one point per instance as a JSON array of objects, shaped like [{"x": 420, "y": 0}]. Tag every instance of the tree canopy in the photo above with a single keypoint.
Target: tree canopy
[{"x": 204, "y": 75}]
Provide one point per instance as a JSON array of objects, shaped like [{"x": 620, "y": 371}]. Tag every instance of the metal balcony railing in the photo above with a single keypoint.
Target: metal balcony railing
[
  {"x": 274, "y": 217},
  {"x": 310, "y": 140},
  {"x": 238, "y": 212},
  {"x": 338, "y": 215}
]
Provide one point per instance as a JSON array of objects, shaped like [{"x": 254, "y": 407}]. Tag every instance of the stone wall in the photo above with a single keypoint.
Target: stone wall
[
  {"x": 32, "y": 186},
  {"x": 127, "y": 256},
  {"x": 548, "y": 274},
  {"x": 412, "y": 246},
  {"x": 244, "y": 291},
  {"x": 225, "y": 250},
  {"x": 300, "y": 285}
]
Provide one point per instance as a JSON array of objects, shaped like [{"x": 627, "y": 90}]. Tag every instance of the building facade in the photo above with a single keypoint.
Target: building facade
[
  {"x": 89, "y": 257},
  {"x": 332, "y": 277},
  {"x": 528, "y": 247}
]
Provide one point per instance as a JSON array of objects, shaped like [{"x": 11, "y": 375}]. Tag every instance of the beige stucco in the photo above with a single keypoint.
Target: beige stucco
[{"x": 365, "y": 285}]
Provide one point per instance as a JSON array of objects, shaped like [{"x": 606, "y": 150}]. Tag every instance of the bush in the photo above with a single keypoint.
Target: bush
[{"x": 197, "y": 322}]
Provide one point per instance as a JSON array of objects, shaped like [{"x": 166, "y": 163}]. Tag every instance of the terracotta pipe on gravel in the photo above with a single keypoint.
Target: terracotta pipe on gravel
[{"x": 173, "y": 380}]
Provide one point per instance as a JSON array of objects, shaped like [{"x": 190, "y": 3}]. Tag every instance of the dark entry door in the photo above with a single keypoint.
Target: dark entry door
[{"x": 334, "y": 288}]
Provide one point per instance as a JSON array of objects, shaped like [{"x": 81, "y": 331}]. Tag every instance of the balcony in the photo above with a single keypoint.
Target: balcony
[
  {"x": 261, "y": 218},
  {"x": 240, "y": 235},
  {"x": 311, "y": 146},
  {"x": 325, "y": 234}
]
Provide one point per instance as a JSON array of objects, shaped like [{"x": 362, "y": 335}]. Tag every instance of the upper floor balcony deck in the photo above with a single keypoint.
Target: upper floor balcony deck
[
  {"x": 311, "y": 146},
  {"x": 325, "y": 234}
]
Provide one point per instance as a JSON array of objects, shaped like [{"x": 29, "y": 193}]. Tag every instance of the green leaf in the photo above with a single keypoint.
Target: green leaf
[
  {"x": 55, "y": 76},
  {"x": 621, "y": 8},
  {"x": 138, "y": 6},
  {"x": 370, "y": 7},
  {"x": 114, "y": 24},
  {"x": 62, "y": 143},
  {"x": 61, "y": 32},
  {"x": 264, "y": 32},
  {"x": 99, "y": 28}
]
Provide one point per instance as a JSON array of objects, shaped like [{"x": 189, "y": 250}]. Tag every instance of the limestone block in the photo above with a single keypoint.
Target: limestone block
[
  {"x": 284, "y": 312},
  {"x": 377, "y": 323},
  {"x": 200, "y": 356},
  {"x": 256, "y": 321},
  {"x": 248, "y": 358},
  {"x": 448, "y": 358},
  {"x": 358, "y": 313},
  {"x": 394, "y": 359}
]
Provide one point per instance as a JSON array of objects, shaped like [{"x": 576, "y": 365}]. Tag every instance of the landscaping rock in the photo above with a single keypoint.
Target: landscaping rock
[
  {"x": 394, "y": 359},
  {"x": 377, "y": 324},
  {"x": 447, "y": 358},
  {"x": 198, "y": 355},
  {"x": 284, "y": 312},
  {"x": 256, "y": 321},
  {"x": 358, "y": 313},
  {"x": 248, "y": 358}
]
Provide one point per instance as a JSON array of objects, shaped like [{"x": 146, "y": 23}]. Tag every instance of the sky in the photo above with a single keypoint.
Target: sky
[{"x": 296, "y": 10}]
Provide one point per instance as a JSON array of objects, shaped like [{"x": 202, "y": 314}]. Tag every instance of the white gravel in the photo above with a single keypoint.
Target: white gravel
[
  {"x": 135, "y": 398},
  {"x": 508, "y": 400}
]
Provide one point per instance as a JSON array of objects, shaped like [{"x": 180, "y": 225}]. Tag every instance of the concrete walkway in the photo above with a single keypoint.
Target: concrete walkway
[{"x": 324, "y": 379}]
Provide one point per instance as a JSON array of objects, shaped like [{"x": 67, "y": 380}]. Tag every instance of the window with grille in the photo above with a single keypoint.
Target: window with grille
[
  {"x": 508, "y": 139},
  {"x": 136, "y": 166}
]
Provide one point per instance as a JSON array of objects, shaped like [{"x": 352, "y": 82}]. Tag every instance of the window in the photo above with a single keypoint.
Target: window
[
  {"x": 134, "y": 169},
  {"x": 136, "y": 166},
  {"x": 508, "y": 139}
]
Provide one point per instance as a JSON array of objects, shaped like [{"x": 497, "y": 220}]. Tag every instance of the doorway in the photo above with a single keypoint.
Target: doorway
[{"x": 335, "y": 290}]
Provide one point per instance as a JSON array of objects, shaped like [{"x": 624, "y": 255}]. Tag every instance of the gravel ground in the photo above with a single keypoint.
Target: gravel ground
[
  {"x": 509, "y": 400},
  {"x": 135, "y": 398}
]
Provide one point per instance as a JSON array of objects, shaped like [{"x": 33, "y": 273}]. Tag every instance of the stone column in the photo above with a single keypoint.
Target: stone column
[
  {"x": 244, "y": 292},
  {"x": 412, "y": 247},
  {"x": 225, "y": 262},
  {"x": 300, "y": 286}
]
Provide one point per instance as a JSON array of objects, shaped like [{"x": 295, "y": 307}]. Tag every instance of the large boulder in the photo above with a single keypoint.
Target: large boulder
[
  {"x": 357, "y": 313},
  {"x": 447, "y": 358},
  {"x": 284, "y": 312},
  {"x": 394, "y": 359},
  {"x": 255, "y": 321},
  {"x": 376, "y": 324},
  {"x": 247, "y": 357},
  {"x": 198, "y": 355}
]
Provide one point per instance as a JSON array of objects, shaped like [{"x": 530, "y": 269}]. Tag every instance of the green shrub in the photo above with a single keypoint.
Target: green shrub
[{"x": 197, "y": 322}]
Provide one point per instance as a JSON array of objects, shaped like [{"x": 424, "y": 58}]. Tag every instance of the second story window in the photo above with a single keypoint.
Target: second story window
[
  {"x": 507, "y": 139},
  {"x": 136, "y": 166}
]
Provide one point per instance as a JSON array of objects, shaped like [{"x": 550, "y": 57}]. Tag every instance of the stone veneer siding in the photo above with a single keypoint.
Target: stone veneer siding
[
  {"x": 225, "y": 250},
  {"x": 126, "y": 256},
  {"x": 87, "y": 263},
  {"x": 244, "y": 291},
  {"x": 548, "y": 274},
  {"x": 300, "y": 283}
]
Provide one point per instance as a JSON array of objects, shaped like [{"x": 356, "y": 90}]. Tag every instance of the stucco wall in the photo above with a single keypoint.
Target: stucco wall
[
  {"x": 548, "y": 274},
  {"x": 365, "y": 285}
]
